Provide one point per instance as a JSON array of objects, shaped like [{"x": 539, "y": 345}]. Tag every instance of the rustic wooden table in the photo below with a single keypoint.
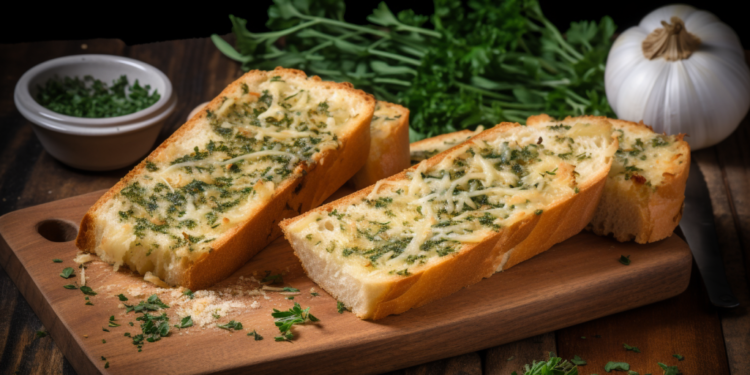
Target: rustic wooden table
[{"x": 712, "y": 341}]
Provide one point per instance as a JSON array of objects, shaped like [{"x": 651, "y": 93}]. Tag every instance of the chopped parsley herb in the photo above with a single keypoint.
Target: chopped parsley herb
[
  {"x": 56, "y": 260},
  {"x": 669, "y": 370},
  {"x": 290, "y": 289},
  {"x": 284, "y": 320},
  {"x": 679, "y": 357},
  {"x": 104, "y": 341},
  {"x": 272, "y": 279},
  {"x": 631, "y": 348},
  {"x": 276, "y": 79},
  {"x": 70, "y": 286},
  {"x": 232, "y": 325},
  {"x": 188, "y": 293},
  {"x": 92, "y": 98},
  {"x": 88, "y": 291},
  {"x": 554, "y": 366},
  {"x": 106, "y": 365},
  {"x": 122, "y": 297},
  {"x": 67, "y": 272},
  {"x": 625, "y": 260},
  {"x": 40, "y": 334},
  {"x": 257, "y": 335},
  {"x": 151, "y": 167},
  {"x": 340, "y": 307},
  {"x": 185, "y": 322},
  {"x": 538, "y": 212},
  {"x": 104, "y": 329},
  {"x": 314, "y": 294},
  {"x": 153, "y": 303},
  {"x": 578, "y": 361},
  {"x": 616, "y": 366}
]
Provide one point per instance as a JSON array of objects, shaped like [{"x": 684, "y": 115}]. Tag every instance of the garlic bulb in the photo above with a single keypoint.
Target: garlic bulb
[{"x": 681, "y": 71}]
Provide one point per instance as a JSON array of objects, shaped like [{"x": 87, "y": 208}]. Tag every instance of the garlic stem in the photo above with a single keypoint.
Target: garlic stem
[{"x": 672, "y": 42}]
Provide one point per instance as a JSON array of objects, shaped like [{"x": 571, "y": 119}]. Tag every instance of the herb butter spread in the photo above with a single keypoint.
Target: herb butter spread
[
  {"x": 644, "y": 156},
  {"x": 219, "y": 173},
  {"x": 485, "y": 185}
]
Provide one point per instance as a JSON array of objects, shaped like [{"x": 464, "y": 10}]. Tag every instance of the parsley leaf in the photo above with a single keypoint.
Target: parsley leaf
[
  {"x": 56, "y": 260},
  {"x": 188, "y": 293},
  {"x": 631, "y": 348},
  {"x": 625, "y": 260},
  {"x": 578, "y": 361},
  {"x": 122, "y": 297},
  {"x": 41, "y": 334},
  {"x": 340, "y": 307},
  {"x": 232, "y": 325},
  {"x": 70, "y": 286},
  {"x": 284, "y": 320},
  {"x": 67, "y": 272},
  {"x": 679, "y": 357},
  {"x": 669, "y": 370},
  {"x": 616, "y": 366},
  {"x": 257, "y": 335},
  {"x": 185, "y": 323},
  {"x": 88, "y": 291}
]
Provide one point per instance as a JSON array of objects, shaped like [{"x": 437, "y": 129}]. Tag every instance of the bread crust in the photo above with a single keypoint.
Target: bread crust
[
  {"x": 477, "y": 261},
  {"x": 311, "y": 186},
  {"x": 630, "y": 211},
  {"x": 389, "y": 152},
  {"x": 438, "y": 142}
]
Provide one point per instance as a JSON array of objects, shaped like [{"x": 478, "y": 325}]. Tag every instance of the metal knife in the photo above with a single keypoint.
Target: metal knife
[{"x": 697, "y": 226}]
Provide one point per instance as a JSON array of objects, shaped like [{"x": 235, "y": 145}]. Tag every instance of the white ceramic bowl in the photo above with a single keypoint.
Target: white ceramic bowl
[{"x": 96, "y": 144}]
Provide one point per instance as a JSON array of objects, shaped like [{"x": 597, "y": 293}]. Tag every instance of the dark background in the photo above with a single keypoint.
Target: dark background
[{"x": 136, "y": 24}]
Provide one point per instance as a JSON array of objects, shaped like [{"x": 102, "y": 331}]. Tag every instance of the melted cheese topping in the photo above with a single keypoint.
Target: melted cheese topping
[
  {"x": 644, "y": 157},
  {"x": 402, "y": 226},
  {"x": 214, "y": 177}
]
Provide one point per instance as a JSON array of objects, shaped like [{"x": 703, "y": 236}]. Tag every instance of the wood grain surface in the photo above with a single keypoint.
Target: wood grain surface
[
  {"x": 29, "y": 176},
  {"x": 533, "y": 298}
]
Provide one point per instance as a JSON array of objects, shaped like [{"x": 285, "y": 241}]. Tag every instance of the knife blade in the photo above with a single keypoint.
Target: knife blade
[{"x": 697, "y": 226}]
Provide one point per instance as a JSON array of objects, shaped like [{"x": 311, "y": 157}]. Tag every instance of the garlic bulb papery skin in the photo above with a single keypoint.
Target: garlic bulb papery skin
[{"x": 704, "y": 95}]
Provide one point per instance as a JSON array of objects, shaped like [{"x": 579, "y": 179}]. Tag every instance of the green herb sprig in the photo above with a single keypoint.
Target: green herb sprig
[
  {"x": 464, "y": 65},
  {"x": 284, "y": 320}
]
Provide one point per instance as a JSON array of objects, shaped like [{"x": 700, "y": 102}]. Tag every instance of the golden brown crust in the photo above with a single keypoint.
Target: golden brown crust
[
  {"x": 389, "y": 153},
  {"x": 630, "y": 210},
  {"x": 475, "y": 262},
  {"x": 293, "y": 196}
]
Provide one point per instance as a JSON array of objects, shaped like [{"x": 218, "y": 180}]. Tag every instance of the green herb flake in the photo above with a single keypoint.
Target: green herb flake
[
  {"x": 669, "y": 370},
  {"x": 257, "y": 335},
  {"x": 70, "y": 286},
  {"x": 106, "y": 365},
  {"x": 87, "y": 291},
  {"x": 56, "y": 260},
  {"x": 188, "y": 293},
  {"x": 92, "y": 98},
  {"x": 616, "y": 366},
  {"x": 67, "y": 272},
  {"x": 40, "y": 334},
  {"x": 122, "y": 297},
  {"x": 625, "y": 260},
  {"x": 679, "y": 357},
  {"x": 631, "y": 348},
  {"x": 284, "y": 320},
  {"x": 185, "y": 322},
  {"x": 578, "y": 361},
  {"x": 340, "y": 307}
]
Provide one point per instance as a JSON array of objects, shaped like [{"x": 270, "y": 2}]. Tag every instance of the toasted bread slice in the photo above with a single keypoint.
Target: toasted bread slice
[
  {"x": 389, "y": 145},
  {"x": 429, "y": 147},
  {"x": 272, "y": 145},
  {"x": 643, "y": 197},
  {"x": 455, "y": 218}
]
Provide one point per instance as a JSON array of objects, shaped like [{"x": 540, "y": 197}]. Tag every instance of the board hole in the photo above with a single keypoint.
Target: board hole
[{"x": 56, "y": 230}]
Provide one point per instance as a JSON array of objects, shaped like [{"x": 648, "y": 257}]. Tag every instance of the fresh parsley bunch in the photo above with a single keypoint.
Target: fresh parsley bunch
[{"x": 465, "y": 65}]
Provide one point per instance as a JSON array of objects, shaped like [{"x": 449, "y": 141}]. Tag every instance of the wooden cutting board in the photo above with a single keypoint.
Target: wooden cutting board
[{"x": 576, "y": 281}]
